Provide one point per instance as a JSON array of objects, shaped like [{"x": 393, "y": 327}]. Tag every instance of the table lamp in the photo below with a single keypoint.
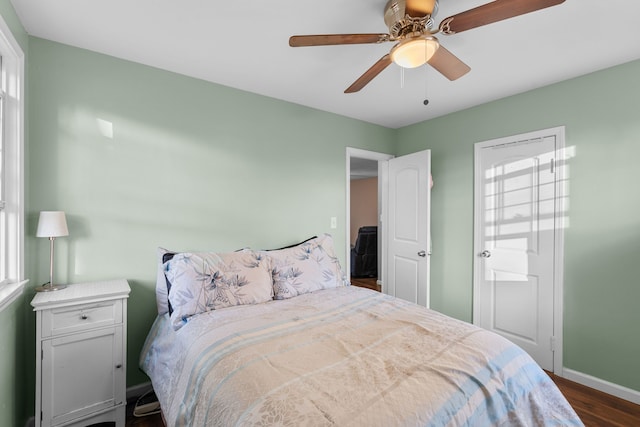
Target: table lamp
[{"x": 51, "y": 224}]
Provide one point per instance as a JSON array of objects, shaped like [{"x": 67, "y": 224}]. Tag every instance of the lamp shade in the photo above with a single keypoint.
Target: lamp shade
[{"x": 52, "y": 224}]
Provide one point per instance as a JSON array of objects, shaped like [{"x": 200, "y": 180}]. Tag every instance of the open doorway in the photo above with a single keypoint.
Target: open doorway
[
  {"x": 363, "y": 222},
  {"x": 365, "y": 180}
]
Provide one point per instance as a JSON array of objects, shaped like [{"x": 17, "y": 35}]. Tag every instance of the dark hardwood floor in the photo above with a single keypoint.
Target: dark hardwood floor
[
  {"x": 596, "y": 408},
  {"x": 366, "y": 282},
  {"x": 148, "y": 421}
]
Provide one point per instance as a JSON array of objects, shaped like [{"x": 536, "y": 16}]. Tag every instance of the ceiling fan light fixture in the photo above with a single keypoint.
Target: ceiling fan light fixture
[{"x": 414, "y": 52}]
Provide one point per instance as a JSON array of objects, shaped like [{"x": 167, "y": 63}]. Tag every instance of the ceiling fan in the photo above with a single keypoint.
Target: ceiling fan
[{"x": 410, "y": 24}]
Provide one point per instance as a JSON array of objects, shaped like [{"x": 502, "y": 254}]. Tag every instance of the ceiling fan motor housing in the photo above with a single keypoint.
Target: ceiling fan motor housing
[{"x": 404, "y": 19}]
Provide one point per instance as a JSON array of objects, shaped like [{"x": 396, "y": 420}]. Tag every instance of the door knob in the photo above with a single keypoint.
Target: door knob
[
  {"x": 422, "y": 254},
  {"x": 485, "y": 254}
]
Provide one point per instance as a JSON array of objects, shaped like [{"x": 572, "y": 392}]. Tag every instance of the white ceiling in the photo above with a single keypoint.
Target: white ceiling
[{"x": 244, "y": 44}]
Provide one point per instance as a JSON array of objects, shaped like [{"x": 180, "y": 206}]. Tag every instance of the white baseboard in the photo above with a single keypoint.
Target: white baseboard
[
  {"x": 602, "y": 385},
  {"x": 138, "y": 390}
]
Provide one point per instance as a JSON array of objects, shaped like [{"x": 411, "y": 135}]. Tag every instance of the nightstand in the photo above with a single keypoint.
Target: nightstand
[{"x": 81, "y": 353}]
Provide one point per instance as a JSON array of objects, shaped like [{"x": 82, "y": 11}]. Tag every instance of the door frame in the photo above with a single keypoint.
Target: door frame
[
  {"x": 383, "y": 179},
  {"x": 560, "y": 222}
]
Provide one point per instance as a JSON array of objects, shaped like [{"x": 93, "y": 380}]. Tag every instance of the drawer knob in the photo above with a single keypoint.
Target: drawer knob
[
  {"x": 84, "y": 317},
  {"x": 118, "y": 366}
]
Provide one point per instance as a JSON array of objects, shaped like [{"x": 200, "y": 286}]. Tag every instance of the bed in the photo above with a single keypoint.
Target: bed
[{"x": 331, "y": 354}]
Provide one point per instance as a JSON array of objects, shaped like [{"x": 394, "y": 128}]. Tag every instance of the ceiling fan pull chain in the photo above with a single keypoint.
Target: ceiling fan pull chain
[
  {"x": 401, "y": 77},
  {"x": 426, "y": 84}
]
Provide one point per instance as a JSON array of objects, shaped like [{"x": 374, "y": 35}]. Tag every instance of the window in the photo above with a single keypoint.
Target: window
[{"x": 11, "y": 166}]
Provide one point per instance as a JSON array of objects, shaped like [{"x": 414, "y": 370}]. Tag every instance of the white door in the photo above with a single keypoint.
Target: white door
[
  {"x": 515, "y": 241},
  {"x": 408, "y": 227}
]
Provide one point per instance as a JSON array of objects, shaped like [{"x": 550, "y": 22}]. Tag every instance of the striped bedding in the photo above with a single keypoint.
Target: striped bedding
[{"x": 344, "y": 356}]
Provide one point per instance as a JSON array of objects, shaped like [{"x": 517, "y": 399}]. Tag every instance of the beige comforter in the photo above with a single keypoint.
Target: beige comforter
[{"x": 345, "y": 356}]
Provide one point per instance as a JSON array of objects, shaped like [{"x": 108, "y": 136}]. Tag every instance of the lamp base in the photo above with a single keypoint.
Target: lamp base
[{"x": 49, "y": 288}]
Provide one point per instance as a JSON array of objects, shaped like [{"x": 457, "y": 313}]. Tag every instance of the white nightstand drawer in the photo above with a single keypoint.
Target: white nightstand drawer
[{"x": 66, "y": 320}]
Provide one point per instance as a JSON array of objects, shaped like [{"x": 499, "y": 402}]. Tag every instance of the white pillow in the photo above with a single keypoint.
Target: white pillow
[
  {"x": 208, "y": 281},
  {"x": 310, "y": 266}
]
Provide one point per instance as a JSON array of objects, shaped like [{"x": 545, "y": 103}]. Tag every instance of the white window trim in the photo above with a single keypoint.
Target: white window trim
[
  {"x": 13, "y": 78},
  {"x": 10, "y": 292}
]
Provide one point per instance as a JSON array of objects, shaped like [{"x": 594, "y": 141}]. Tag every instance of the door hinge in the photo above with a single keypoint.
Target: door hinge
[
  {"x": 552, "y": 166},
  {"x": 553, "y": 343}
]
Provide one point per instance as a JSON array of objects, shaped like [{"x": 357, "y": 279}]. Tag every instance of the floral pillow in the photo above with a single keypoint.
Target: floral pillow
[
  {"x": 310, "y": 266},
  {"x": 208, "y": 281}
]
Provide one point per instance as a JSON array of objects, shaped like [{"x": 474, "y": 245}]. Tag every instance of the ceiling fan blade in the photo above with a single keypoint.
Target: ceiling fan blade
[
  {"x": 419, "y": 8},
  {"x": 448, "y": 64},
  {"x": 495, "y": 11},
  {"x": 370, "y": 74},
  {"x": 335, "y": 39}
]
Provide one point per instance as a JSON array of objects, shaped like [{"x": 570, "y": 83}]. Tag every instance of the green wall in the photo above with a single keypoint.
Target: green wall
[
  {"x": 13, "y": 410},
  {"x": 602, "y": 241},
  {"x": 189, "y": 165},
  {"x": 13, "y": 22}
]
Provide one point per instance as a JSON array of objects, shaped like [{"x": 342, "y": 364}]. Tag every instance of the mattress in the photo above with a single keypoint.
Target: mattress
[{"x": 348, "y": 357}]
